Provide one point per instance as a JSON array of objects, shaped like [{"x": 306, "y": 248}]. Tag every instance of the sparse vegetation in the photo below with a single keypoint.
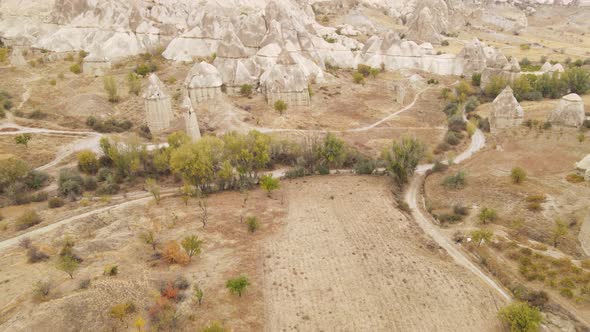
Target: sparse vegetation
[
  {"x": 237, "y": 285},
  {"x": 280, "y": 106},
  {"x": 252, "y": 223},
  {"x": 521, "y": 317},
  {"x": 110, "y": 86},
  {"x": 269, "y": 183},
  {"x": 486, "y": 215},
  {"x": 246, "y": 90},
  {"x": 402, "y": 160},
  {"x": 192, "y": 245},
  {"x": 518, "y": 175}
]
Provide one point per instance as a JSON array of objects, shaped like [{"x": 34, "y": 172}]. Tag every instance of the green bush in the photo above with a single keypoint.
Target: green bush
[
  {"x": 296, "y": 172},
  {"x": 253, "y": 224},
  {"x": 70, "y": 183},
  {"x": 486, "y": 215},
  {"x": 457, "y": 181},
  {"x": 365, "y": 166},
  {"x": 280, "y": 106},
  {"x": 521, "y": 317},
  {"x": 55, "y": 202},
  {"x": 518, "y": 175},
  {"x": 75, "y": 68},
  {"x": 246, "y": 90},
  {"x": 28, "y": 219},
  {"x": 444, "y": 43},
  {"x": 87, "y": 162},
  {"x": 358, "y": 78},
  {"x": 452, "y": 138},
  {"x": 364, "y": 70}
]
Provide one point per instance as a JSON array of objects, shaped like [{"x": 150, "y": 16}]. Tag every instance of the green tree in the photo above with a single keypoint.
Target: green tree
[
  {"x": 149, "y": 237},
  {"x": 178, "y": 138},
  {"x": 198, "y": 294},
  {"x": 151, "y": 185},
  {"x": 577, "y": 80},
  {"x": 486, "y": 215},
  {"x": 237, "y": 285},
  {"x": 280, "y": 106},
  {"x": 247, "y": 153},
  {"x": 23, "y": 139},
  {"x": 495, "y": 86},
  {"x": 110, "y": 86},
  {"x": 402, "y": 160},
  {"x": 68, "y": 264},
  {"x": 482, "y": 235},
  {"x": 87, "y": 161},
  {"x": 521, "y": 317},
  {"x": 332, "y": 152},
  {"x": 558, "y": 232},
  {"x": 134, "y": 83},
  {"x": 12, "y": 170},
  {"x": 518, "y": 175},
  {"x": 198, "y": 162},
  {"x": 269, "y": 183},
  {"x": 192, "y": 245}
]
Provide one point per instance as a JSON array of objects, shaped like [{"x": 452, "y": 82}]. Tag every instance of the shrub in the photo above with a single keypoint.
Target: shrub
[
  {"x": 402, "y": 159},
  {"x": 456, "y": 181},
  {"x": 68, "y": 263},
  {"x": 70, "y": 183},
  {"x": 173, "y": 254},
  {"x": 486, "y": 215},
  {"x": 134, "y": 83},
  {"x": 28, "y": 219},
  {"x": 460, "y": 210},
  {"x": 296, "y": 172},
  {"x": 525, "y": 47},
  {"x": 121, "y": 310},
  {"x": 35, "y": 179},
  {"x": 566, "y": 292},
  {"x": 90, "y": 183},
  {"x": 110, "y": 86},
  {"x": 107, "y": 188},
  {"x": 365, "y": 166},
  {"x": 87, "y": 162},
  {"x": 495, "y": 86},
  {"x": 363, "y": 70},
  {"x": 448, "y": 218},
  {"x": 55, "y": 202},
  {"x": 213, "y": 327},
  {"x": 574, "y": 178},
  {"x": 237, "y": 285},
  {"x": 246, "y": 90},
  {"x": 534, "y": 206},
  {"x": 471, "y": 104},
  {"x": 358, "y": 78},
  {"x": 111, "y": 270},
  {"x": 75, "y": 68},
  {"x": 34, "y": 255},
  {"x": 280, "y": 106},
  {"x": 268, "y": 183},
  {"x": 439, "y": 167},
  {"x": 518, "y": 175},
  {"x": 521, "y": 317},
  {"x": 252, "y": 223},
  {"x": 41, "y": 289},
  {"x": 84, "y": 284},
  {"x": 181, "y": 283},
  {"x": 444, "y": 43},
  {"x": 192, "y": 245},
  {"x": 452, "y": 138}
]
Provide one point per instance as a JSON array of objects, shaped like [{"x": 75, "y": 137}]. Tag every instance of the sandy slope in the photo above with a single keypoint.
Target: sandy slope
[{"x": 347, "y": 260}]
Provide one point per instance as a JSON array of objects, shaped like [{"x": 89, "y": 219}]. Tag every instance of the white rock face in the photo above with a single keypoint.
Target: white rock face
[
  {"x": 506, "y": 112},
  {"x": 203, "y": 82},
  {"x": 570, "y": 111},
  {"x": 158, "y": 109},
  {"x": 190, "y": 120},
  {"x": 234, "y": 64},
  {"x": 285, "y": 81},
  {"x": 16, "y": 58}
]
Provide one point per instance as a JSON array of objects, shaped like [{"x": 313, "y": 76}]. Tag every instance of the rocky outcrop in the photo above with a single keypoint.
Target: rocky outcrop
[
  {"x": 569, "y": 112},
  {"x": 190, "y": 120},
  {"x": 506, "y": 111},
  {"x": 158, "y": 109},
  {"x": 429, "y": 19},
  {"x": 498, "y": 65},
  {"x": 234, "y": 64},
  {"x": 203, "y": 82},
  {"x": 16, "y": 57},
  {"x": 285, "y": 81}
]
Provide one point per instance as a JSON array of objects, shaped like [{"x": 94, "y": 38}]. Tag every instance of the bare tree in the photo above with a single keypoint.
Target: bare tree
[{"x": 203, "y": 207}]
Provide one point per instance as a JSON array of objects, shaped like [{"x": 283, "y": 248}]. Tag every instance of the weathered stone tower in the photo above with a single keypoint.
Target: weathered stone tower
[
  {"x": 203, "y": 82},
  {"x": 285, "y": 81},
  {"x": 190, "y": 120},
  {"x": 158, "y": 109}
]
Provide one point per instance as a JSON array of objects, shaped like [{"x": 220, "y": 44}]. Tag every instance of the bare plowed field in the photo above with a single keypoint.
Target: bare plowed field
[{"x": 348, "y": 260}]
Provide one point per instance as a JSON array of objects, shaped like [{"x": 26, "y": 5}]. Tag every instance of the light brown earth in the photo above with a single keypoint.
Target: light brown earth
[{"x": 348, "y": 260}]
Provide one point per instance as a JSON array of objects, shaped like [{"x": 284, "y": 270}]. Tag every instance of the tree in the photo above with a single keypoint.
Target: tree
[
  {"x": 204, "y": 212},
  {"x": 87, "y": 161},
  {"x": 110, "y": 86},
  {"x": 192, "y": 245},
  {"x": 23, "y": 139},
  {"x": 558, "y": 232},
  {"x": 521, "y": 317},
  {"x": 482, "y": 235},
  {"x": 269, "y": 183},
  {"x": 139, "y": 323},
  {"x": 12, "y": 170},
  {"x": 518, "y": 175},
  {"x": 280, "y": 106},
  {"x": 134, "y": 82},
  {"x": 198, "y": 294},
  {"x": 121, "y": 310},
  {"x": 476, "y": 79},
  {"x": 252, "y": 223},
  {"x": 577, "y": 80},
  {"x": 149, "y": 238},
  {"x": 246, "y": 90},
  {"x": 68, "y": 264},
  {"x": 332, "y": 151},
  {"x": 178, "y": 138},
  {"x": 237, "y": 285},
  {"x": 495, "y": 86},
  {"x": 402, "y": 159},
  {"x": 487, "y": 214},
  {"x": 197, "y": 162},
  {"x": 153, "y": 188}
]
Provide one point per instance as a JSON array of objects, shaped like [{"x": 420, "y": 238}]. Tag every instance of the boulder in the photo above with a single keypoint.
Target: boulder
[
  {"x": 285, "y": 81},
  {"x": 158, "y": 109},
  {"x": 569, "y": 112},
  {"x": 506, "y": 111},
  {"x": 203, "y": 82}
]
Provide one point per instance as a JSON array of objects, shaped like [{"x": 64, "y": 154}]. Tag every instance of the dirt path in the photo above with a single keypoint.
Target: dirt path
[{"x": 348, "y": 260}]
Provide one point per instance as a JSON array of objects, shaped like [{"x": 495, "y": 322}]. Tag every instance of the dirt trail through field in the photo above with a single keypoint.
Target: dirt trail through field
[{"x": 347, "y": 260}]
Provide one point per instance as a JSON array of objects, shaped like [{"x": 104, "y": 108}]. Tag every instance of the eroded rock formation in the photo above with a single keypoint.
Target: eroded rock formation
[
  {"x": 285, "y": 81},
  {"x": 506, "y": 111},
  {"x": 569, "y": 112},
  {"x": 158, "y": 109},
  {"x": 203, "y": 82}
]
